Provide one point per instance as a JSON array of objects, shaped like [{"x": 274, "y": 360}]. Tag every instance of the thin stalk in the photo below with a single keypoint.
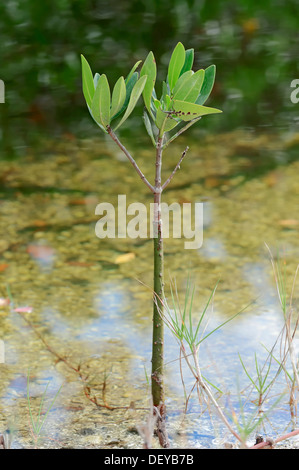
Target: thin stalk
[
  {"x": 157, "y": 384},
  {"x": 183, "y": 129},
  {"x": 177, "y": 167},
  {"x": 130, "y": 158},
  {"x": 207, "y": 393},
  {"x": 157, "y": 376},
  {"x": 158, "y": 325},
  {"x": 206, "y": 389}
]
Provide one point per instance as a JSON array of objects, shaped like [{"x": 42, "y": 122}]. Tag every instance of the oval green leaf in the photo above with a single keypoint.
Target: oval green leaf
[
  {"x": 188, "y": 61},
  {"x": 129, "y": 87},
  {"x": 129, "y": 76},
  {"x": 188, "y": 111},
  {"x": 87, "y": 81},
  {"x": 148, "y": 126},
  {"x": 100, "y": 106},
  {"x": 190, "y": 88},
  {"x": 181, "y": 83},
  {"x": 96, "y": 79},
  {"x": 100, "y": 125},
  {"x": 164, "y": 122},
  {"x": 118, "y": 96},
  {"x": 207, "y": 85},
  {"x": 149, "y": 68},
  {"x": 136, "y": 92},
  {"x": 176, "y": 63}
]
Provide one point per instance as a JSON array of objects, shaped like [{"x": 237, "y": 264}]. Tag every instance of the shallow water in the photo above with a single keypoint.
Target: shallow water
[{"x": 91, "y": 298}]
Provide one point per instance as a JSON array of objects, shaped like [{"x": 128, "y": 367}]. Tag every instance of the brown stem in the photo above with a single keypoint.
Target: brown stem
[
  {"x": 131, "y": 159},
  {"x": 279, "y": 439},
  {"x": 175, "y": 170}
]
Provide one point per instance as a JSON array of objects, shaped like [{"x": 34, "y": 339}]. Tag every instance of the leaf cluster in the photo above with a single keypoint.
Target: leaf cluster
[{"x": 184, "y": 93}]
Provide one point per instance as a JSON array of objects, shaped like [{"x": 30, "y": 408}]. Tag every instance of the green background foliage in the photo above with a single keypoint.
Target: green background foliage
[{"x": 254, "y": 46}]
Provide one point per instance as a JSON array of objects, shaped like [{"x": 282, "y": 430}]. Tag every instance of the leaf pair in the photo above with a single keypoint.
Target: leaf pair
[{"x": 104, "y": 107}]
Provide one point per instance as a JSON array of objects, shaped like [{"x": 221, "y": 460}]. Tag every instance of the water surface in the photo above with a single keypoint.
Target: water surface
[{"x": 91, "y": 298}]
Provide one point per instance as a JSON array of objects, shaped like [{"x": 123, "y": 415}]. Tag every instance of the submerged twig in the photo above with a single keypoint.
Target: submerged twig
[{"x": 77, "y": 370}]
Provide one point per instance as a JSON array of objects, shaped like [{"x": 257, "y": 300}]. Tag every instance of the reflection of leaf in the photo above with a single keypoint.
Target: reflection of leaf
[
  {"x": 124, "y": 258},
  {"x": 4, "y": 302},
  {"x": 289, "y": 223},
  {"x": 23, "y": 309}
]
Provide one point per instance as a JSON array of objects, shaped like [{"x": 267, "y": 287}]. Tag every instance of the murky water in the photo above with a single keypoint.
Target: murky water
[{"x": 91, "y": 298}]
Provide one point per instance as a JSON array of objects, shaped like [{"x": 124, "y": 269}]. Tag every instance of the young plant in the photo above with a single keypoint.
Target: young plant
[
  {"x": 291, "y": 320},
  {"x": 37, "y": 423},
  {"x": 180, "y": 105},
  {"x": 260, "y": 383},
  {"x": 190, "y": 334}
]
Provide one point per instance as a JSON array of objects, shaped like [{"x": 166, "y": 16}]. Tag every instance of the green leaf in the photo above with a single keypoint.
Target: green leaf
[
  {"x": 165, "y": 92},
  {"x": 118, "y": 96},
  {"x": 87, "y": 81},
  {"x": 96, "y": 79},
  {"x": 176, "y": 63},
  {"x": 129, "y": 87},
  {"x": 156, "y": 103},
  {"x": 181, "y": 83},
  {"x": 100, "y": 125},
  {"x": 207, "y": 85},
  {"x": 188, "y": 111},
  {"x": 136, "y": 92},
  {"x": 168, "y": 102},
  {"x": 129, "y": 76},
  {"x": 188, "y": 61},
  {"x": 100, "y": 106},
  {"x": 148, "y": 127},
  {"x": 191, "y": 87},
  {"x": 149, "y": 68},
  {"x": 164, "y": 122}
]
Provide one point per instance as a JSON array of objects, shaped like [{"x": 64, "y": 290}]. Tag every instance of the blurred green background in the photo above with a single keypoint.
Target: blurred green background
[{"x": 253, "y": 44}]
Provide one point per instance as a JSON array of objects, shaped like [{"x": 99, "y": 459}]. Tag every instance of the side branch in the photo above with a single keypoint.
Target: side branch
[
  {"x": 131, "y": 159},
  {"x": 175, "y": 170}
]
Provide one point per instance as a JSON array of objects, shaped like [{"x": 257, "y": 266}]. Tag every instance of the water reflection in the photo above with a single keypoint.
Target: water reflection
[
  {"x": 43, "y": 254},
  {"x": 213, "y": 249},
  {"x": 91, "y": 307}
]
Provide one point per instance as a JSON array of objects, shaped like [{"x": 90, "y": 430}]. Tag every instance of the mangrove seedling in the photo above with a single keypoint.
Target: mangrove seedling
[{"x": 181, "y": 104}]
